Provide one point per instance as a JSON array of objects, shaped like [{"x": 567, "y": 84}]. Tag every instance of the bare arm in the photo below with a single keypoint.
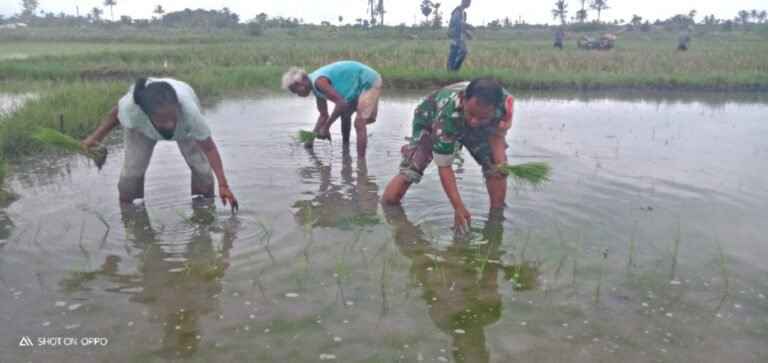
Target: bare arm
[
  {"x": 448, "y": 180},
  {"x": 324, "y": 85},
  {"x": 214, "y": 158},
  {"x": 322, "y": 107},
  {"x": 498, "y": 148},
  {"x": 107, "y": 124}
]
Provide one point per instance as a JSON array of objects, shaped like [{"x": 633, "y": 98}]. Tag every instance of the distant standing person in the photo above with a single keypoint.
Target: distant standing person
[
  {"x": 458, "y": 29},
  {"x": 475, "y": 115},
  {"x": 157, "y": 109},
  {"x": 352, "y": 86},
  {"x": 559, "y": 38},
  {"x": 685, "y": 38}
]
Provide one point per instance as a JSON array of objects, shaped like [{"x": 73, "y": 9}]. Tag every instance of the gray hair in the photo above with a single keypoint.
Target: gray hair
[{"x": 294, "y": 75}]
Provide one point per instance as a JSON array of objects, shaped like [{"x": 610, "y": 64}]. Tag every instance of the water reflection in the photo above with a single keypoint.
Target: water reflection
[
  {"x": 178, "y": 282},
  {"x": 460, "y": 283},
  {"x": 348, "y": 204}
]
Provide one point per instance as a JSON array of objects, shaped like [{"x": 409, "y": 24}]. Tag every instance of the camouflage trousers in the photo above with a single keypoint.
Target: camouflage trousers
[{"x": 417, "y": 154}]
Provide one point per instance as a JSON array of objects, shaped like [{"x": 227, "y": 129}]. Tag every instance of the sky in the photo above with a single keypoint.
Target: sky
[{"x": 403, "y": 11}]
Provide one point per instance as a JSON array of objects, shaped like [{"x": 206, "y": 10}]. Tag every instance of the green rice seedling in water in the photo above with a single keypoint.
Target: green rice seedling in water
[
  {"x": 527, "y": 174},
  {"x": 481, "y": 269},
  {"x": 305, "y": 136},
  {"x": 39, "y": 275},
  {"x": 83, "y": 251},
  {"x": 676, "y": 249},
  {"x": 106, "y": 224},
  {"x": 52, "y": 138},
  {"x": 631, "y": 259}
]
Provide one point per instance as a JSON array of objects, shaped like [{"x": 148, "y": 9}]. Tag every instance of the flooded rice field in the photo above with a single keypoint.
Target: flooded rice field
[{"x": 646, "y": 246}]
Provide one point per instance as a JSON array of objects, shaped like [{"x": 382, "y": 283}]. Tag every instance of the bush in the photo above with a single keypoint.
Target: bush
[
  {"x": 588, "y": 27},
  {"x": 255, "y": 29}
]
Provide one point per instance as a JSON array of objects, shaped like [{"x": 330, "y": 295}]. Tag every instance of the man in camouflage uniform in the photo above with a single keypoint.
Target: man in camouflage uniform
[{"x": 475, "y": 115}]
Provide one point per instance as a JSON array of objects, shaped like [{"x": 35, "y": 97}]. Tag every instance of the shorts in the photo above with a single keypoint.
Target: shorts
[{"x": 368, "y": 103}]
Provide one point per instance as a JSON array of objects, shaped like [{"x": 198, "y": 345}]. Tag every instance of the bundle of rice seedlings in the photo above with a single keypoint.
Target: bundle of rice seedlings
[
  {"x": 530, "y": 174},
  {"x": 306, "y": 136},
  {"x": 52, "y": 138}
]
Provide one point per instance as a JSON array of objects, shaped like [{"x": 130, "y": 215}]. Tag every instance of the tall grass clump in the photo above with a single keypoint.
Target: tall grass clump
[{"x": 81, "y": 105}]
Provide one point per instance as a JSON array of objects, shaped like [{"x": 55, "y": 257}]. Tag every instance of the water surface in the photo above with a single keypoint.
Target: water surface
[{"x": 648, "y": 244}]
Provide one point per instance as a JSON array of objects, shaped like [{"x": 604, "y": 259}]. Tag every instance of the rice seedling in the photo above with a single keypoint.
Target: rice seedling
[
  {"x": 106, "y": 224},
  {"x": 599, "y": 283},
  {"x": 480, "y": 270},
  {"x": 631, "y": 258},
  {"x": 676, "y": 249},
  {"x": 83, "y": 251},
  {"x": 527, "y": 174},
  {"x": 267, "y": 237},
  {"x": 52, "y": 138},
  {"x": 39, "y": 275},
  {"x": 305, "y": 136},
  {"x": 385, "y": 267}
]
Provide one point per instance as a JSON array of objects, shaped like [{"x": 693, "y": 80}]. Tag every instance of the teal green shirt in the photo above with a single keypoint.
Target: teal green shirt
[
  {"x": 348, "y": 78},
  {"x": 189, "y": 124}
]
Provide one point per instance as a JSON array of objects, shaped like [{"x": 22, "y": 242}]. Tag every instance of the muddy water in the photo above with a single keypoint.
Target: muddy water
[{"x": 648, "y": 244}]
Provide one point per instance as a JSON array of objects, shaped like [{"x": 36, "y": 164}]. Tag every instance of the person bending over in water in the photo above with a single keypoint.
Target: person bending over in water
[
  {"x": 351, "y": 86},
  {"x": 476, "y": 115},
  {"x": 156, "y": 109}
]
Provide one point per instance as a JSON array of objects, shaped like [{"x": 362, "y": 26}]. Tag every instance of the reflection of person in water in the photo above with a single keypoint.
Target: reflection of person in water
[
  {"x": 351, "y": 203},
  {"x": 177, "y": 284},
  {"x": 459, "y": 283}
]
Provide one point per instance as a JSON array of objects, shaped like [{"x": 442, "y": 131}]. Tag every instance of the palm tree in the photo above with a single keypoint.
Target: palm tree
[
  {"x": 744, "y": 17},
  {"x": 560, "y": 11},
  {"x": 426, "y": 9},
  {"x": 692, "y": 15},
  {"x": 341, "y": 18},
  {"x": 435, "y": 17},
  {"x": 581, "y": 15},
  {"x": 599, "y": 5},
  {"x": 380, "y": 10},
  {"x": 636, "y": 20},
  {"x": 96, "y": 14},
  {"x": 761, "y": 16},
  {"x": 110, "y": 3},
  {"x": 159, "y": 11}
]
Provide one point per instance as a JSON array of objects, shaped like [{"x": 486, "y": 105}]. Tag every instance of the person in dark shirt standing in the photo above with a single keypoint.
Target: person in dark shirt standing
[
  {"x": 685, "y": 38},
  {"x": 457, "y": 30},
  {"x": 559, "y": 38}
]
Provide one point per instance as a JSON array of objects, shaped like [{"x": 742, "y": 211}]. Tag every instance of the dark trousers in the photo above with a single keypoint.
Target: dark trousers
[{"x": 457, "y": 54}]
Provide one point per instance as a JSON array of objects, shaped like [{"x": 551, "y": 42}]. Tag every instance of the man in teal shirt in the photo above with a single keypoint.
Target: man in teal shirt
[
  {"x": 476, "y": 115},
  {"x": 352, "y": 86}
]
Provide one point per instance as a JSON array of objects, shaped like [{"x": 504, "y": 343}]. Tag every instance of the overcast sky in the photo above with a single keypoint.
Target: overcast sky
[{"x": 402, "y": 11}]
